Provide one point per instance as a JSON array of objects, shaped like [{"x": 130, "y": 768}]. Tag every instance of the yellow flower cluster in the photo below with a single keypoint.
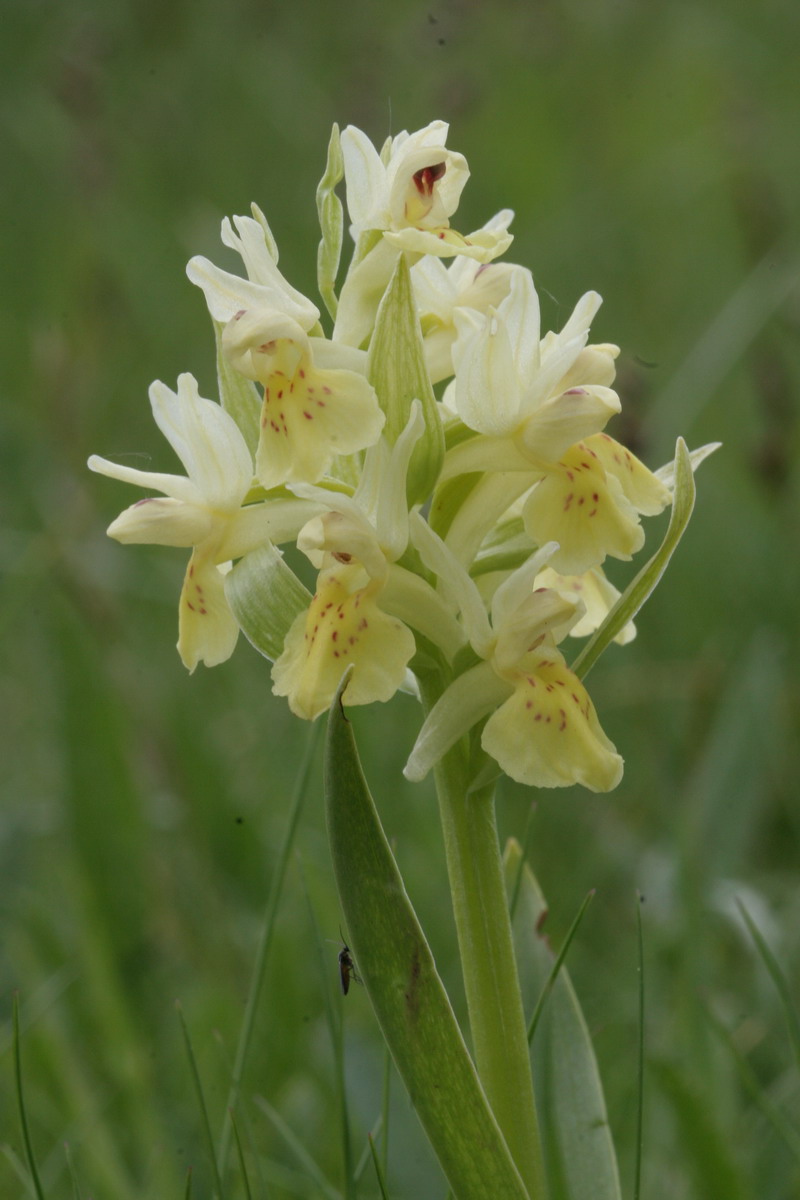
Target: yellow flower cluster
[{"x": 339, "y": 443}]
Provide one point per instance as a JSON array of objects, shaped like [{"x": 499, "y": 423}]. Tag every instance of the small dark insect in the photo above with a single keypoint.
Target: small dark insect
[{"x": 347, "y": 968}]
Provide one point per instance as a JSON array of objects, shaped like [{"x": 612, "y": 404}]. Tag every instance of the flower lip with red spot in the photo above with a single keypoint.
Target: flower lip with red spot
[{"x": 426, "y": 177}]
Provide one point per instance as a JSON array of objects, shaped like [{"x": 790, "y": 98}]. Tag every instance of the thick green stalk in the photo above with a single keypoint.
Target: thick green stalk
[{"x": 496, "y": 1016}]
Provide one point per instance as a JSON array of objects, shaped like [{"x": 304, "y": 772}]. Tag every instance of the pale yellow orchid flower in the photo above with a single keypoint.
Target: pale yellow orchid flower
[
  {"x": 204, "y": 510},
  {"x": 539, "y": 406}
]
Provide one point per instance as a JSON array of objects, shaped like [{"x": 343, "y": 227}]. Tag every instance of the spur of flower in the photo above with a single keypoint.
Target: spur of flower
[
  {"x": 538, "y": 407},
  {"x": 205, "y": 510}
]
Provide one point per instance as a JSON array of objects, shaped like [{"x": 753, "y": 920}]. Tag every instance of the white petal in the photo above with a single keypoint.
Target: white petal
[
  {"x": 561, "y": 422},
  {"x": 207, "y": 440},
  {"x": 456, "y": 584},
  {"x": 276, "y": 521},
  {"x": 365, "y": 180},
  {"x": 521, "y": 314},
  {"x": 162, "y": 521},
  {"x": 261, "y": 265},
  {"x": 559, "y": 351},
  {"x": 543, "y": 618},
  {"x": 228, "y": 294},
  {"x": 519, "y": 585},
  {"x": 487, "y": 394},
  {"x": 177, "y": 486}
]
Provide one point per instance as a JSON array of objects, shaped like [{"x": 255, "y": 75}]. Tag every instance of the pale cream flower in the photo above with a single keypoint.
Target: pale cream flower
[{"x": 204, "y": 510}]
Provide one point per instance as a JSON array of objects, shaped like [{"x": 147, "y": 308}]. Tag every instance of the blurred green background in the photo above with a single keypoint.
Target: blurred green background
[{"x": 651, "y": 153}]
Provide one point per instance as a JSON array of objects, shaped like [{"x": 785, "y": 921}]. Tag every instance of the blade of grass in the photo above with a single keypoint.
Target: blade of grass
[
  {"x": 265, "y": 939},
  {"x": 23, "y": 1116},
  {"x": 553, "y": 976},
  {"x": 308, "y": 1164},
  {"x": 707, "y": 1149},
  {"x": 778, "y": 978},
  {"x": 244, "y": 1126},
  {"x": 725, "y": 341},
  {"x": 201, "y": 1101},
  {"x": 240, "y": 1154},
  {"x": 637, "y": 1172},
  {"x": 366, "y": 1155},
  {"x": 76, "y": 1187},
  {"x": 782, "y": 1127},
  {"x": 82, "y": 1089},
  {"x": 378, "y": 1170},
  {"x": 579, "y": 1149},
  {"x": 385, "y": 1101},
  {"x": 187, "y": 1195},
  {"x": 18, "y": 1167},
  {"x": 336, "y": 1027}
]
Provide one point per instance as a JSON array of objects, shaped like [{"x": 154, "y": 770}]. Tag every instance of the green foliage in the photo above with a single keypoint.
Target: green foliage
[
  {"x": 406, "y": 992},
  {"x": 581, "y": 1164}
]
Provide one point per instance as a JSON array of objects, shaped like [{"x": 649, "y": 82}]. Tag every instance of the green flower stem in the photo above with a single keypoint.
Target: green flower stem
[{"x": 491, "y": 982}]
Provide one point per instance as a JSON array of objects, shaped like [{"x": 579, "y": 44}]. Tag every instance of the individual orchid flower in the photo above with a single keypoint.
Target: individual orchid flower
[
  {"x": 595, "y": 592},
  {"x": 317, "y": 402},
  {"x": 402, "y": 200},
  {"x": 205, "y": 510},
  {"x": 365, "y": 600},
  {"x": 542, "y": 728},
  {"x": 409, "y": 192},
  {"x": 440, "y": 291},
  {"x": 265, "y": 287},
  {"x": 538, "y": 406}
]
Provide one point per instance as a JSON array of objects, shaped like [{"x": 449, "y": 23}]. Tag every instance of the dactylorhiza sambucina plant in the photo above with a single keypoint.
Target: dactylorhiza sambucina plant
[{"x": 443, "y": 464}]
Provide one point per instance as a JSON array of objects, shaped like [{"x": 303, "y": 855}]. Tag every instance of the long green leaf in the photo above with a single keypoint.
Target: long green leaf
[
  {"x": 265, "y": 938},
  {"x": 219, "y": 1190},
  {"x": 707, "y": 1148},
  {"x": 760, "y": 1096},
  {"x": 558, "y": 962},
  {"x": 23, "y": 1116},
  {"x": 311, "y": 1169},
  {"x": 640, "y": 588},
  {"x": 637, "y": 1165},
  {"x": 778, "y": 978},
  {"x": 407, "y": 995},
  {"x": 579, "y": 1153}
]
